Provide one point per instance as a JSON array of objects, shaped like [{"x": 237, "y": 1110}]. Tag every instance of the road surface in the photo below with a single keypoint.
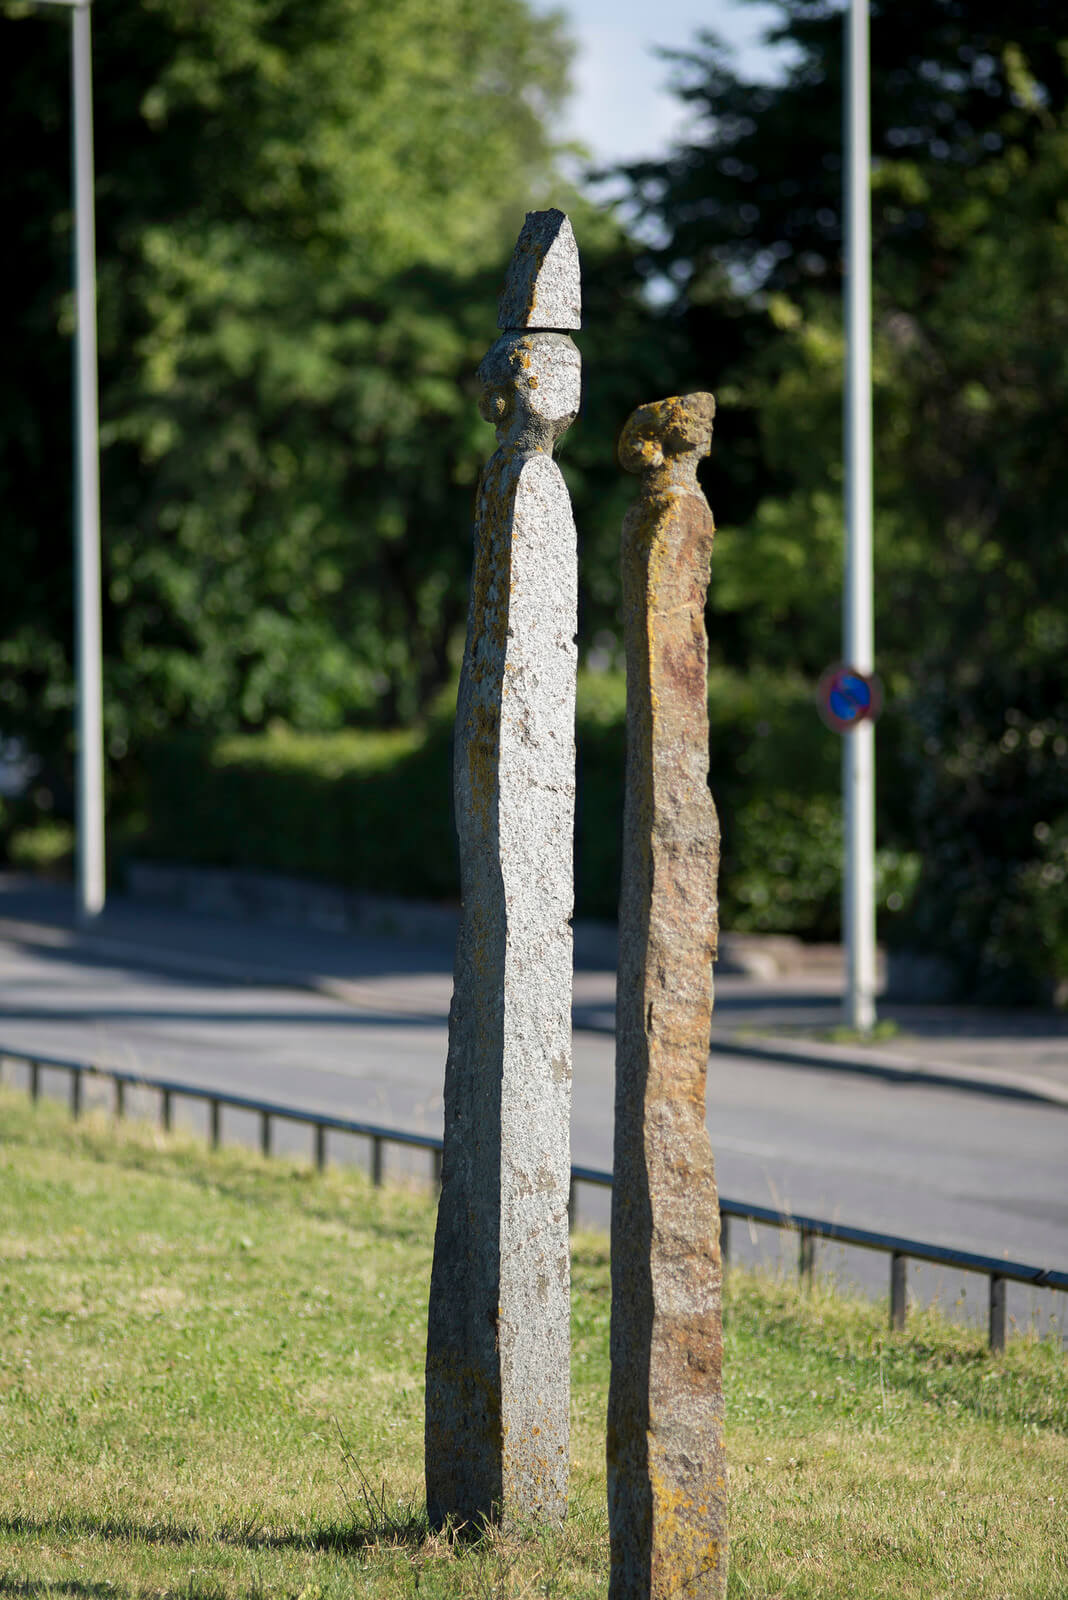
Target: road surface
[{"x": 934, "y": 1163}]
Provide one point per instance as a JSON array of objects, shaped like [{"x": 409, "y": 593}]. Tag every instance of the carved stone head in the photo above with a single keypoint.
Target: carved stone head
[
  {"x": 667, "y": 438},
  {"x": 531, "y": 388}
]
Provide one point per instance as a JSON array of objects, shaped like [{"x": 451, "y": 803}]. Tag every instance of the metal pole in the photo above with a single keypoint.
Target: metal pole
[
  {"x": 858, "y": 746},
  {"x": 90, "y": 785},
  {"x": 997, "y": 1314},
  {"x": 898, "y": 1291},
  {"x": 806, "y": 1257}
]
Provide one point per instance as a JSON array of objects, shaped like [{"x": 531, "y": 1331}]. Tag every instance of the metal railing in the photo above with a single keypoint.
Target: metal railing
[{"x": 809, "y": 1229}]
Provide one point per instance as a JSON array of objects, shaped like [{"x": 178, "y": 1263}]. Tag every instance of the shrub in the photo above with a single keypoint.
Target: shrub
[
  {"x": 373, "y": 810},
  {"x": 46, "y": 848},
  {"x": 989, "y": 772},
  {"x": 368, "y": 810}
]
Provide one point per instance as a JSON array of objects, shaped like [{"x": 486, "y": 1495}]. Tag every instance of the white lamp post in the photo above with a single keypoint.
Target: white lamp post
[
  {"x": 90, "y": 732},
  {"x": 858, "y": 644}
]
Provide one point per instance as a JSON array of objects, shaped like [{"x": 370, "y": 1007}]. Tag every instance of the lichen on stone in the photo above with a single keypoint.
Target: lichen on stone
[
  {"x": 666, "y": 1467},
  {"x": 499, "y": 1299}
]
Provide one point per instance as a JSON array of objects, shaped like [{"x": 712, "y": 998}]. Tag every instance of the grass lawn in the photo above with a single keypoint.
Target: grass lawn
[{"x": 211, "y": 1386}]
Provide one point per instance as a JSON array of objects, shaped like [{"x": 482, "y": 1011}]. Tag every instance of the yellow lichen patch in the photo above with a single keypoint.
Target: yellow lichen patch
[
  {"x": 482, "y": 741},
  {"x": 687, "y": 1541}
]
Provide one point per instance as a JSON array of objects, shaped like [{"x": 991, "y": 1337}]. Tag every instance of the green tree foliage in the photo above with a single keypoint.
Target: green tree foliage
[
  {"x": 302, "y": 215},
  {"x": 970, "y": 139}
]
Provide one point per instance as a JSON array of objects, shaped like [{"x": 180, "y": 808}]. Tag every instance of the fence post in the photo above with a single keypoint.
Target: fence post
[
  {"x": 320, "y": 1146},
  {"x": 724, "y": 1242},
  {"x": 997, "y": 1314},
  {"x": 806, "y": 1257},
  {"x": 572, "y": 1204},
  {"x": 898, "y": 1284},
  {"x": 265, "y": 1133},
  {"x": 376, "y": 1161},
  {"x": 120, "y": 1099},
  {"x": 435, "y": 1168},
  {"x": 35, "y": 1080},
  {"x": 165, "y": 1110},
  {"x": 216, "y": 1123},
  {"x": 75, "y": 1092}
]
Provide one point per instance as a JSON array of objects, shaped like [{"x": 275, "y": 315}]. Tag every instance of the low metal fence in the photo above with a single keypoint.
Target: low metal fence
[{"x": 998, "y": 1272}]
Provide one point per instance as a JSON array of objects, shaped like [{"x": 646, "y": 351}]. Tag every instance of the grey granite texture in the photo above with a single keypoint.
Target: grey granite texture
[
  {"x": 542, "y": 288},
  {"x": 498, "y": 1339},
  {"x": 667, "y": 1497}
]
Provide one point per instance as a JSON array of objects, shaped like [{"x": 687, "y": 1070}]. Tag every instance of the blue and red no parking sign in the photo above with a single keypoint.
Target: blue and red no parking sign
[{"x": 848, "y": 697}]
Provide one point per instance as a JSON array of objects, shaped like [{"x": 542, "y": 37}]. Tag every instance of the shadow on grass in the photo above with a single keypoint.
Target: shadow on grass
[
  {"x": 77, "y": 1589},
  {"x": 80, "y": 1589},
  {"x": 403, "y": 1528}
]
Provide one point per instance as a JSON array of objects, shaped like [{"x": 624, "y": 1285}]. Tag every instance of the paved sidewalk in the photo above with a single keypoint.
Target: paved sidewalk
[{"x": 787, "y": 1017}]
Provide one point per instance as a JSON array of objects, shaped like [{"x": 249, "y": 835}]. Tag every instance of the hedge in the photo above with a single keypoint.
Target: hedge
[{"x": 373, "y": 810}]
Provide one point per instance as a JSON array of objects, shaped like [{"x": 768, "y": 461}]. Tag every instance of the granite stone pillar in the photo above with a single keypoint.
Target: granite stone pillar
[
  {"x": 666, "y": 1466},
  {"x": 498, "y": 1341}
]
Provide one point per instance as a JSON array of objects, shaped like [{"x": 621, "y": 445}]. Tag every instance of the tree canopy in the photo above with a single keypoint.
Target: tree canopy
[
  {"x": 301, "y": 216},
  {"x": 970, "y": 148}
]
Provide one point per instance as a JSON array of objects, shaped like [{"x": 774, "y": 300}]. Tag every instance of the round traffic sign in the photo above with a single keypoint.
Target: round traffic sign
[{"x": 848, "y": 697}]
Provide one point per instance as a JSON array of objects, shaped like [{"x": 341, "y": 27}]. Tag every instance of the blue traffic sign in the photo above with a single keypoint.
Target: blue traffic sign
[{"x": 848, "y": 697}]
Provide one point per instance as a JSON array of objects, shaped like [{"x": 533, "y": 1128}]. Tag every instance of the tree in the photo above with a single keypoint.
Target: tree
[
  {"x": 969, "y": 122},
  {"x": 302, "y": 212}
]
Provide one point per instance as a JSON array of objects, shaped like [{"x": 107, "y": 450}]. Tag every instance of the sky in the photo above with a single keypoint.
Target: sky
[{"x": 621, "y": 109}]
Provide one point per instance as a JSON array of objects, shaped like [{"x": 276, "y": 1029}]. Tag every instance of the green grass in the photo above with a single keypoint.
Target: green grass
[
  {"x": 886, "y": 1028},
  {"x": 211, "y": 1387}
]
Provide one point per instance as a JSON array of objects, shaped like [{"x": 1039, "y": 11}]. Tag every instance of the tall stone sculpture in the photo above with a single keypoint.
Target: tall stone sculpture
[
  {"x": 666, "y": 1466},
  {"x": 498, "y": 1340}
]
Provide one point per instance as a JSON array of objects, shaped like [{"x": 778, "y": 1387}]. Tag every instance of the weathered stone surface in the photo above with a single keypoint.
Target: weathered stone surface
[
  {"x": 498, "y": 1343},
  {"x": 666, "y": 1465},
  {"x": 542, "y": 287}
]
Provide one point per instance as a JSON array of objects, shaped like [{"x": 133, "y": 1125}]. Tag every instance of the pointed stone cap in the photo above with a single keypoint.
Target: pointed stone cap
[{"x": 542, "y": 288}]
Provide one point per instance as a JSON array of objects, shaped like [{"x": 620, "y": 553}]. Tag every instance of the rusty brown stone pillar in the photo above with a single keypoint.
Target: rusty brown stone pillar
[{"x": 667, "y": 1494}]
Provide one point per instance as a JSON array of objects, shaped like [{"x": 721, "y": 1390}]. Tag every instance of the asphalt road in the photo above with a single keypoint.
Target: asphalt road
[{"x": 947, "y": 1165}]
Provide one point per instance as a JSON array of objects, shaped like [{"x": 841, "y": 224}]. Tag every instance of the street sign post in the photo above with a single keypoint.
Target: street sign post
[{"x": 858, "y": 645}]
